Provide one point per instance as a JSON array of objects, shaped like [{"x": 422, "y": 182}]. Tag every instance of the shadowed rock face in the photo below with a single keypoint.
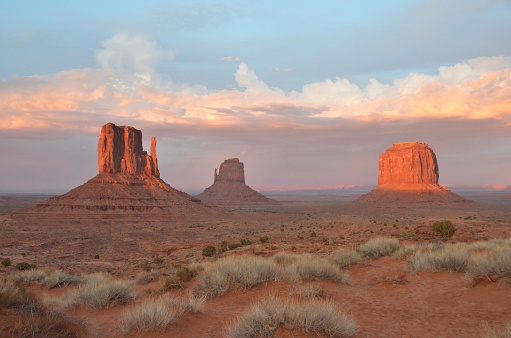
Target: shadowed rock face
[
  {"x": 229, "y": 188},
  {"x": 408, "y": 164},
  {"x": 120, "y": 151},
  {"x": 128, "y": 183},
  {"x": 408, "y": 173},
  {"x": 231, "y": 170}
]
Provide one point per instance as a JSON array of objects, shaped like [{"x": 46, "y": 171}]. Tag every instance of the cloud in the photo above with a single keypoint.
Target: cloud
[
  {"x": 230, "y": 59},
  {"x": 134, "y": 54}
]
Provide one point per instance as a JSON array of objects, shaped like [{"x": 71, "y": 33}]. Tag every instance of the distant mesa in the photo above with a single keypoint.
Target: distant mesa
[
  {"x": 229, "y": 188},
  {"x": 128, "y": 181},
  {"x": 408, "y": 172}
]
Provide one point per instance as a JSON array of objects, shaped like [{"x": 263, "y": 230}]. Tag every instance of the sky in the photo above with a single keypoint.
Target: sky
[{"x": 305, "y": 93}]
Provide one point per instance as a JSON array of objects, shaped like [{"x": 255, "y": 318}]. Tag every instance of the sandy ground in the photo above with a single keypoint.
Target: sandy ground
[{"x": 384, "y": 299}]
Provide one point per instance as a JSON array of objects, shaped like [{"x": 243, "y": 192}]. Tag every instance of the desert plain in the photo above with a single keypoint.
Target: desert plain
[
  {"x": 127, "y": 255},
  {"x": 383, "y": 298}
]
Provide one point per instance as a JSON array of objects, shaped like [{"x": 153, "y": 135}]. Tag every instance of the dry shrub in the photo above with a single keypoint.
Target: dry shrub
[
  {"x": 170, "y": 283},
  {"x": 284, "y": 258},
  {"x": 379, "y": 247},
  {"x": 503, "y": 331},
  {"x": 236, "y": 272},
  {"x": 153, "y": 314},
  {"x": 35, "y": 320},
  {"x": 100, "y": 291},
  {"x": 146, "y": 277},
  {"x": 345, "y": 258},
  {"x": 313, "y": 317},
  {"x": 311, "y": 267},
  {"x": 484, "y": 258},
  {"x": 450, "y": 258},
  {"x": 58, "y": 278},
  {"x": 159, "y": 313},
  {"x": 47, "y": 278}
]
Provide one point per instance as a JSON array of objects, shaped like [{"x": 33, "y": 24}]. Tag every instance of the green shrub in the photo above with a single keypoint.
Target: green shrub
[
  {"x": 24, "y": 266},
  {"x": 6, "y": 262},
  {"x": 245, "y": 242},
  {"x": 445, "y": 228},
  {"x": 264, "y": 239},
  {"x": 233, "y": 246},
  {"x": 209, "y": 251}
]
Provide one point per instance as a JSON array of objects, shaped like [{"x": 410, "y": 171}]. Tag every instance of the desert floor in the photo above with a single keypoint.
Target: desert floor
[{"x": 384, "y": 299}]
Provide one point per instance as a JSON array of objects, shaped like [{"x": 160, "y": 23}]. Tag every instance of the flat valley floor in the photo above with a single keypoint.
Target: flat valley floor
[{"x": 384, "y": 298}]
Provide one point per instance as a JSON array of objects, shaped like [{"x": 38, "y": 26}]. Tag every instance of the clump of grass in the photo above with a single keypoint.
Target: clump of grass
[
  {"x": 313, "y": 317},
  {"x": 451, "y": 258},
  {"x": 311, "y": 267},
  {"x": 503, "y": 331},
  {"x": 145, "y": 277},
  {"x": 345, "y": 258},
  {"x": 236, "y": 272},
  {"x": 495, "y": 264},
  {"x": 379, "y": 247},
  {"x": 58, "y": 278},
  {"x": 445, "y": 228},
  {"x": 284, "y": 258},
  {"x": 6, "y": 262},
  {"x": 158, "y": 313},
  {"x": 100, "y": 291},
  {"x": 150, "y": 315},
  {"x": 264, "y": 239},
  {"x": 34, "y": 319}
]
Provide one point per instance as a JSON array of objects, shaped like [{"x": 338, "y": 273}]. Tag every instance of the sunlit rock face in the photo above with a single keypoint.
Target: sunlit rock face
[
  {"x": 229, "y": 188},
  {"x": 120, "y": 151},
  {"x": 408, "y": 173},
  {"x": 408, "y": 165}
]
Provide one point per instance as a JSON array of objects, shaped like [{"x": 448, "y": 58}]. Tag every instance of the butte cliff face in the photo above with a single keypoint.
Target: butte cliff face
[
  {"x": 128, "y": 183},
  {"x": 408, "y": 172},
  {"x": 120, "y": 151},
  {"x": 229, "y": 188},
  {"x": 408, "y": 165}
]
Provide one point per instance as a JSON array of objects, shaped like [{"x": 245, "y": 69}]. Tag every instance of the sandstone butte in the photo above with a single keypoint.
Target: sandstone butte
[
  {"x": 229, "y": 188},
  {"x": 128, "y": 182},
  {"x": 408, "y": 172}
]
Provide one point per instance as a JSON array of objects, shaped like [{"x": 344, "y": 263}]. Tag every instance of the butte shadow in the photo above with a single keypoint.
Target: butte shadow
[
  {"x": 128, "y": 184},
  {"x": 408, "y": 174},
  {"x": 229, "y": 188}
]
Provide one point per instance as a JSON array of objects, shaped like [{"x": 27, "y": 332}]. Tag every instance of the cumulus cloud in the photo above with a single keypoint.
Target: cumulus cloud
[{"x": 134, "y": 54}]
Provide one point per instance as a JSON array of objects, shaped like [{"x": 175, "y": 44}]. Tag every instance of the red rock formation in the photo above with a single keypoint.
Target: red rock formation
[
  {"x": 120, "y": 150},
  {"x": 128, "y": 183},
  {"x": 229, "y": 187},
  {"x": 231, "y": 170},
  {"x": 409, "y": 172},
  {"x": 407, "y": 165}
]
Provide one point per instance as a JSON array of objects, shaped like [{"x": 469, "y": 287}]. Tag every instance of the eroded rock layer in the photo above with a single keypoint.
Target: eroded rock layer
[
  {"x": 229, "y": 188},
  {"x": 408, "y": 173}
]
